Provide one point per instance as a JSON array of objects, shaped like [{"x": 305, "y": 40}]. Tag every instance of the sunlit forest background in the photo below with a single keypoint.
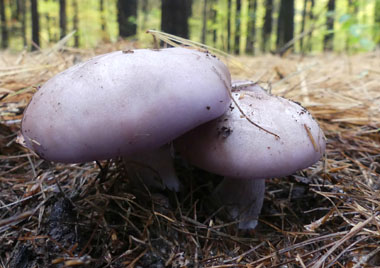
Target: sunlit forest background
[{"x": 236, "y": 26}]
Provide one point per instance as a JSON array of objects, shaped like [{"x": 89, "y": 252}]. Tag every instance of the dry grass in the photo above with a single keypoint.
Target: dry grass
[{"x": 328, "y": 215}]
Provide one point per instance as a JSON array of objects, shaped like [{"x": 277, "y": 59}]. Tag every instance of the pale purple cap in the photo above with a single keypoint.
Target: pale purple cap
[
  {"x": 121, "y": 103},
  {"x": 231, "y": 146}
]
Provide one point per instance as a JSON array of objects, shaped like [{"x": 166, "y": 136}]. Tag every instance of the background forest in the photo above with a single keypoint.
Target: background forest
[
  {"x": 91, "y": 215},
  {"x": 237, "y": 26}
]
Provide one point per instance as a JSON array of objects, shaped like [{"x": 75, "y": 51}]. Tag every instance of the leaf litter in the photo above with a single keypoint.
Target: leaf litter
[{"x": 90, "y": 215}]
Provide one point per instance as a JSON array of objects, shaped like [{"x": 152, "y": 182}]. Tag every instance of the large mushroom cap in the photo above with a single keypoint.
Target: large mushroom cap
[
  {"x": 231, "y": 146},
  {"x": 125, "y": 102}
]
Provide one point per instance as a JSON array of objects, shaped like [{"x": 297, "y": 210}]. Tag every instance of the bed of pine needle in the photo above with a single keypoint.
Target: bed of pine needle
[{"x": 89, "y": 215}]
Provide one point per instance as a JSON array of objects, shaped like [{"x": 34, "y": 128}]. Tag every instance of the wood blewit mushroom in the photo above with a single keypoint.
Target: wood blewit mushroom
[
  {"x": 125, "y": 102},
  {"x": 246, "y": 155},
  {"x": 154, "y": 169}
]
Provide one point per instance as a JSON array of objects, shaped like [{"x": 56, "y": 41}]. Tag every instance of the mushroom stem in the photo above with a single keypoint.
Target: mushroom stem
[
  {"x": 243, "y": 199},
  {"x": 155, "y": 168}
]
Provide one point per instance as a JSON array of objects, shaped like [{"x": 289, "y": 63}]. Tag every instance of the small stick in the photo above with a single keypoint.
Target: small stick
[
  {"x": 311, "y": 137},
  {"x": 241, "y": 110}
]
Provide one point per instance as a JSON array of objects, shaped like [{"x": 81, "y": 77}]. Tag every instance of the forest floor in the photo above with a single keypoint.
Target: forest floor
[{"x": 56, "y": 215}]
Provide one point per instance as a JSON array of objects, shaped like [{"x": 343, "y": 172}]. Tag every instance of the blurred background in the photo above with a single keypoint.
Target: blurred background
[{"x": 236, "y": 26}]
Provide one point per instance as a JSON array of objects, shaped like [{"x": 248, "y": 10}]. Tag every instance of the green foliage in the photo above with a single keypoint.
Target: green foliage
[
  {"x": 358, "y": 34},
  {"x": 356, "y": 23},
  {"x": 376, "y": 30}
]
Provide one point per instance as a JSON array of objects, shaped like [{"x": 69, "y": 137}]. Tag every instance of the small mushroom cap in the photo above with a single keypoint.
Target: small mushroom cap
[
  {"x": 231, "y": 146},
  {"x": 125, "y": 102}
]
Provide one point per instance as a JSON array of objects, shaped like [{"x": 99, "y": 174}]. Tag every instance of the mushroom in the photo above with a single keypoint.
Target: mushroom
[
  {"x": 125, "y": 102},
  {"x": 155, "y": 168},
  {"x": 273, "y": 137}
]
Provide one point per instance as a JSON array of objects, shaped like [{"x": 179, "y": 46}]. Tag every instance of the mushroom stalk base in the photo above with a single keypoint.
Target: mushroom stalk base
[
  {"x": 155, "y": 169},
  {"x": 243, "y": 199}
]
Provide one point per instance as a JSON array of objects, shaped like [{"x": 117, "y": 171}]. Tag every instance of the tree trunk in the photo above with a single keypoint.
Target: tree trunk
[
  {"x": 76, "y": 22},
  {"x": 23, "y": 21},
  {"x": 229, "y": 26},
  {"x": 311, "y": 19},
  {"x": 102, "y": 18},
  {"x": 103, "y": 23},
  {"x": 47, "y": 26},
  {"x": 285, "y": 28},
  {"x": 35, "y": 25},
  {"x": 303, "y": 22},
  {"x": 4, "y": 28},
  {"x": 328, "y": 41},
  {"x": 377, "y": 23},
  {"x": 14, "y": 10},
  {"x": 267, "y": 27},
  {"x": 352, "y": 10},
  {"x": 251, "y": 31},
  {"x": 204, "y": 22},
  {"x": 18, "y": 9},
  {"x": 174, "y": 17},
  {"x": 127, "y": 17},
  {"x": 214, "y": 16},
  {"x": 237, "y": 26},
  {"x": 189, "y": 8},
  {"x": 62, "y": 18},
  {"x": 145, "y": 10}
]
